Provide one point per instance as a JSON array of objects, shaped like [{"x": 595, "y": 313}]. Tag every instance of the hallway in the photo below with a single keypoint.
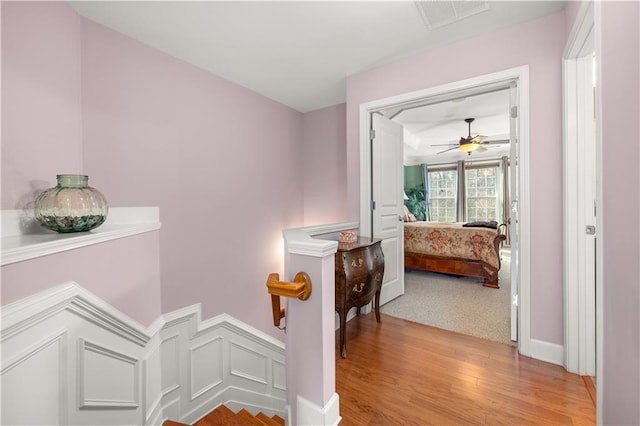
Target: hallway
[{"x": 402, "y": 373}]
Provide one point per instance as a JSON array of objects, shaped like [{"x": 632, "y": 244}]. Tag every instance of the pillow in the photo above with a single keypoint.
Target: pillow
[{"x": 482, "y": 224}]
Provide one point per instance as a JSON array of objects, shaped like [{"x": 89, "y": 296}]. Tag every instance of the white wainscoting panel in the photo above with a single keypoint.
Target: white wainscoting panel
[
  {"x": 170, "y": 363},
  {"x": 152, "y": 383},
  {"x": 107, "y": 378},
  {"x": 80, "y": 361},
  {"x": 279, "y": 378},
  {"x": 202, "y": 356},
  {"x": 35, "y": 377},
  {"x": 249, "y": 364}
]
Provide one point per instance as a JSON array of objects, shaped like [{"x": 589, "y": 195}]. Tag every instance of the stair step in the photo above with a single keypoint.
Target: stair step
[
  {"x": 266, "y": 419},
  {"x": 223, "y": 416},
  {"x": 250, "y": 418}
]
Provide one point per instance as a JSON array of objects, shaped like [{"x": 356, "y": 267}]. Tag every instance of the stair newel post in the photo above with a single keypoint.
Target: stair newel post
[{"x": 310, "y": 333}]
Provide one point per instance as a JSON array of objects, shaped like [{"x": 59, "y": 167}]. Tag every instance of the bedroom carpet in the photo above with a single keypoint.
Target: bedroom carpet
[{"x": 459, "y": 304}]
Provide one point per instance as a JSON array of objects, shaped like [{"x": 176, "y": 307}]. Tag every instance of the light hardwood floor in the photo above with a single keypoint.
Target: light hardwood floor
[{"x": 403, "y": 373}]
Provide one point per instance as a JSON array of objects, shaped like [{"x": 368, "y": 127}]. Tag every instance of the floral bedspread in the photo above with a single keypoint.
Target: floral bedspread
[{"x": 451, "y": 240}]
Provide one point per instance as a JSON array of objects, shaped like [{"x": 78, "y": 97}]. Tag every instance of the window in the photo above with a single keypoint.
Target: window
[
  {"x": 482, "y": 187},
  {"x": 482, "y": 193},
  {"x": 442, "y": 195}
]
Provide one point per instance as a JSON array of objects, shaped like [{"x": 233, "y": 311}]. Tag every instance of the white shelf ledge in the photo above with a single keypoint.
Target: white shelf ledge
[
  {"x": 302, "y": 241},
  {"x": 23, "y": 238}
]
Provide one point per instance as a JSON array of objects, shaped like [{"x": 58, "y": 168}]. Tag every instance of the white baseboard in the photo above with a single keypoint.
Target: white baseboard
[
  {"x": 94, "y": 365},
  {"x": 548, "y": 352},
  {"x": 310, "y": 414}
]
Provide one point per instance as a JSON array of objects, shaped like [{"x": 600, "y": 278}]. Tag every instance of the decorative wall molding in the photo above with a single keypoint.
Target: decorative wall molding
[
  {"x": 203, "y": 378},
  {"x": 26, "y": 313},
  {"x": 106, "y": 378},
  {"x": 124, "y": 373},
  {"x": 42, "y": 365},
  {"x": 24, "y": 239},
  {"x": 243, "y": 357}
]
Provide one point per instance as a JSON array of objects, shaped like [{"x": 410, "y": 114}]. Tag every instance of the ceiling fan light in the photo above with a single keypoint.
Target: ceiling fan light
[{"x": 469, "y": 147}]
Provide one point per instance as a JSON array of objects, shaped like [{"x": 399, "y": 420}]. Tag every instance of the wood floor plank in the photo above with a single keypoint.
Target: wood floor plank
[{"x": 402, "y": 373}]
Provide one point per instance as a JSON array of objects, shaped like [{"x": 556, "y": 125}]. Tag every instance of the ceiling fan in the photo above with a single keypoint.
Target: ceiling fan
[{"x": 470, "y": 143}]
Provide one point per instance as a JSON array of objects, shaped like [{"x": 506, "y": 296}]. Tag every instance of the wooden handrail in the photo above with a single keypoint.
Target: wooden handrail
[{"x": 300, "y": 288}]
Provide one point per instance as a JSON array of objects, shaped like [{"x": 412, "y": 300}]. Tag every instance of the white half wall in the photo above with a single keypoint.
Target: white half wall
[{"x": 80, "y": 361}]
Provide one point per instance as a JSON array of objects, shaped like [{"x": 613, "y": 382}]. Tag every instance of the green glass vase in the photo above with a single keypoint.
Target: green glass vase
[{"x": 71, "y": 206}]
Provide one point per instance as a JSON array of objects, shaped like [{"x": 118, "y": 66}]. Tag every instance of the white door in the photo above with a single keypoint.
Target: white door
[
  {"x": 586, "y": 218},
  {"x": 513, "y": 219},
  {"x": 580, "y": 178},
  {"x": 387, "y": 201}
]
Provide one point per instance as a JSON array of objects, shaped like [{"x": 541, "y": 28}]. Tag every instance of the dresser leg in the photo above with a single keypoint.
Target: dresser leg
[
  {"x": 377, "y": 305},
  {"x": 343, "y": 328}
]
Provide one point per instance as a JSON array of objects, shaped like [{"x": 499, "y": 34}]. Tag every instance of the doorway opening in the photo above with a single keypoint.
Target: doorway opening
[{"x": 517, "y": 80}]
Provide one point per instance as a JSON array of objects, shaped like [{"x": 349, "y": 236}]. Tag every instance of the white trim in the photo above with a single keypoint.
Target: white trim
[
  {"x": 548, "y": 352},
  {"x": 597, "y": 16},
  {"x": 225, "y": 320},
  {"x": 25, "y": 313},
  {"x": 313, "y": 415},
  {"x": 23, "y": 242},
  {"x": 300, "y": 240},
  {"x": 579, "y": 297},
  {"x": 522, "y": 75},
  {"x": 524, "y": 216},
  {"x": 582, "y": 27}
]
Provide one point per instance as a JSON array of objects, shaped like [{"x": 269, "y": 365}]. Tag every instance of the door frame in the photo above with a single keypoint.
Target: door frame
[
  {"x": 580, "y": 296},
  {"x": 445, "y": 91}
]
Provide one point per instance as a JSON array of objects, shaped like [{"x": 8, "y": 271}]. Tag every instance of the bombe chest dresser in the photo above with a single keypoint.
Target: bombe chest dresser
[{"x": 359, "y": 274}]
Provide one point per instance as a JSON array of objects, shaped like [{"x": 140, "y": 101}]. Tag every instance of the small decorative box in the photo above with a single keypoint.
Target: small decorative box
[{"x": 348, "y": 237}]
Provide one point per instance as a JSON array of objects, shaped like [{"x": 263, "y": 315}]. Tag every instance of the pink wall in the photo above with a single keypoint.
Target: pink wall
[
  {"x": 41, "y": 111},
  {"x": 539, "y": 44},
  {"x": 41, "y": 137},
  {"x": 131, "y": 283},
  {"x": 619, "y": 62},
  {"x": 224, "y": 165},
  {"x": 325, "y": 170}
]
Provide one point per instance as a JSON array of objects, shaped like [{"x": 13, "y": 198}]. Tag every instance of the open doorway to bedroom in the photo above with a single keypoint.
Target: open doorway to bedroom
[
  {"x": 444, "y": 184},
  {"x": 449, "y": 185}
]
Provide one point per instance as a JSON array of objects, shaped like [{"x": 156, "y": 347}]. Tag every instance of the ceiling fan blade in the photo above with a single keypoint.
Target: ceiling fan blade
[
  {"x": 481, "y": 149},
  {"x": 478, "y": 138},
  {"x": 496, "y": 142},
  {"x": 446, "y": 144},
  {"x": 447, "y": 150}
]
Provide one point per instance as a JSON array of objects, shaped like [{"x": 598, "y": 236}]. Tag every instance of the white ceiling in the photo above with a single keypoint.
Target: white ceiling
[
  {"x": 443, "y": 123},
  {"x": 300, "y": 53}
]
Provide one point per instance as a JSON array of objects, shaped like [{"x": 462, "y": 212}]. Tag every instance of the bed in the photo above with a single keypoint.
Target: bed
[{"x": 452, "y": 248}]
